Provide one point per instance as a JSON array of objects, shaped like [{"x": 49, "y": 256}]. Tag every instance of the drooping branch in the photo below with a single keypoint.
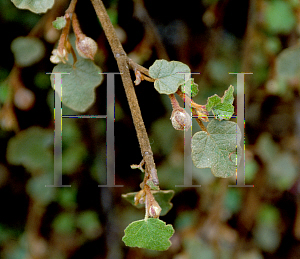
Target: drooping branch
[{"x": 122, "y": 61}]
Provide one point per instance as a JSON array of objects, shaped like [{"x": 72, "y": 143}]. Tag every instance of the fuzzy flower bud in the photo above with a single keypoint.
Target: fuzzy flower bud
[
  {"x": 86, "y": 47},
  {"x": 180, "y": 119},
  {"x": 154, "y": 210},
  {"x": 58, "y": 57}
]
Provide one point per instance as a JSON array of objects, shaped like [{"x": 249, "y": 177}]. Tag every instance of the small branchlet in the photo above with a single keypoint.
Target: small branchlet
[
  {"x": 152, "y": 207},
  {"x": 86, "y": 46}
]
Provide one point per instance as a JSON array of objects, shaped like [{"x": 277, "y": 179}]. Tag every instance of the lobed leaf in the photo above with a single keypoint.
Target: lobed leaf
[
  {"x": 281, "y": 168},
  {"x": 31, "y": 148},
  {"x": 223, "y": 111},
  {"x": 59, "y": 23},
  {"x": 228, "y": 95},
  {"x": 279, "y": 17},
  {"x": 27, "y": 50},
  {"x": 35, "y": 188},
  {"x": 212, "y": 102},
  {"x": 288, "y": 63},
  {"x": 35, "y": 6},
  {"x": 65, "y": 223},
  {"x": 89, "y": 224},
  {"x": 216, "y": 148},
  {"x": 78, "y": 87},
  {"x": 194, "y": 87},
  {"x": 149, "y": 233},
  {"x": 222, "y": 108},
  {"x": 168, "y": 75}
]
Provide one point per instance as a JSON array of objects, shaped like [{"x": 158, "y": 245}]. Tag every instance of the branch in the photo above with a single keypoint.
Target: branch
[
  {"x": 71, "y": 7},
  {"x": 138, "y": 67},
  {"x": 123, "y": 65}
]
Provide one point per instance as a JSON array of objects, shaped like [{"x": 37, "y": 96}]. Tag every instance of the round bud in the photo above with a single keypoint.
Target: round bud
[
  {"x": 86, "y": 47},
  {"x": 180, "y": 119},
  {"x": 154, "y": 211}
]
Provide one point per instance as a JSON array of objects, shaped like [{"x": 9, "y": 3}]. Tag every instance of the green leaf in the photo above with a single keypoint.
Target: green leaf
[
  {"x": 213, "y": 149},
  {"x": 281, "y": 167},
  {"x": 113, "y": 15},
  {"x": 66, "y": 197},
  {"x": 169, "y": 75},
  {"x": 65, "y": 223},
  {"x": 233, "y": 200},
  {"x": 186, "y": 219},
  {"x": 267, "y": 149},
  {"x": 212, "y": 102},
  {"x": 4, "y": 92},
  {"x": 223, "y": 111},
  {"x": 273, "y": 45},
  {"x": 282, "y": 171},
  {"x": 162, "y": 197},
  {"x": 149, "y": 233},
  {"x": 36, "y": 189},
  {"x": 35, "y": 6},
  {"x": 194, "y": 87},
  {"x": 27, "y": 50},
  {"x": 279, "y": 17},
  {"x": 194, "y": 246},
  {"x": 32, "y": 149},
  {"x": 251, "y": 169},
  {"x": 268, "y": 239},
  {"x": 59, "y": 23},
  {"x": 72, "y": 157},
  {"x": 78, "y": 88},
  {"x": 228, "y": 95},
  {"x": 89, "y": 224},
  {"x": 41, "y": 80},
  {"x": 288, "y": 63},
  {"x": 222, "y": 108},
  {"x": 268, "y": 215},
  {"x": 266, "y": 232}
]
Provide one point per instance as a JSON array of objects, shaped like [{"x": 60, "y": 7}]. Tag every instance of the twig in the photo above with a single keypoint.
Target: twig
[
  {"x": 71, "y": 7},
  {"x": 174, "y": 102},
  {"x": 122, "y": 61},
  {"x": 64, "y": 35},
  {"x": 138, "y": 67},
  {"x": 200, "y": 123}
]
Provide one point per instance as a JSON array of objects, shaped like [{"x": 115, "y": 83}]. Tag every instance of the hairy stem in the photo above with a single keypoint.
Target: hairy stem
[
  {"x": 138, "y": 67},
  {"x": 123, "y": 65},
  {"x": 71, "y": 7},
  {"x": 174, "y": 102},
  {"x": 76, "y": 27},
  {"x": 200, "y": 123},
  {"x": 64, "y": 35}
]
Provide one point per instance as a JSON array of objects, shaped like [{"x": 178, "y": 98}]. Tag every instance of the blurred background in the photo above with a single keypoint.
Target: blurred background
[{"x": 213, "y": 37}]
